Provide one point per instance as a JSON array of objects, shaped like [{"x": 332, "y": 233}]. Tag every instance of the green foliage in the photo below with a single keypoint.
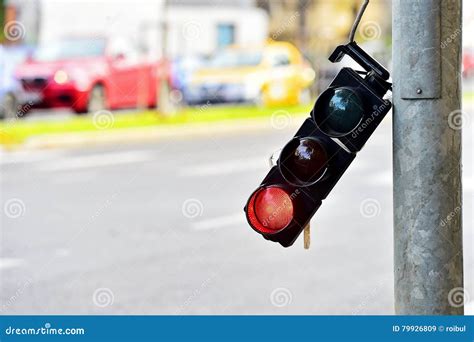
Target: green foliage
[
  {"x": 2, "y": 20},
  {"x": 17, "y": 131}
]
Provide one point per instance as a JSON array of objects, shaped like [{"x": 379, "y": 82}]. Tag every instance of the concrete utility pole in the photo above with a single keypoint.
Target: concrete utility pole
[{"x": 427, "y": 157}]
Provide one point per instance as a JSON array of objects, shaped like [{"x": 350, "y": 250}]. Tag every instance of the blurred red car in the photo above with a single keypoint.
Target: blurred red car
[
  {"x": 89, "y": 74},
  {"x": 468, "y": 62}
]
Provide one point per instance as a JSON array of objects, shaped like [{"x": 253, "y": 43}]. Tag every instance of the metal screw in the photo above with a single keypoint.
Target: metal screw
[{"x": 419, "y": 91}]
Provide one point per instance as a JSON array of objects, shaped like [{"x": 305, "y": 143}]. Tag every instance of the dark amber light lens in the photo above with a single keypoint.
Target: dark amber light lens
[{"x": 303, "y": 161}]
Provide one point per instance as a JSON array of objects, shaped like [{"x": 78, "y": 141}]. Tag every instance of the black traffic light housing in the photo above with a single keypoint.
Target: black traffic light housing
[
  {"x": 365, "y": 96},
  {"x": 343, "y": 118}
]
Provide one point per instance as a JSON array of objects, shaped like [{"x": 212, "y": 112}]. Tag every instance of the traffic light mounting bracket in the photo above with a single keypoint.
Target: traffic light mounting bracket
[{"x": 361, "y": 57}]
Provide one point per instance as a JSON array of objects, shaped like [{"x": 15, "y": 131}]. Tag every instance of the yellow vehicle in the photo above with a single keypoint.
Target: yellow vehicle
[{"x": 273, "y": 74}]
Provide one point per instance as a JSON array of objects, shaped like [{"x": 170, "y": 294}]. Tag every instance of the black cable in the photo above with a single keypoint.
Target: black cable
[{"x": 357, "y": 20}]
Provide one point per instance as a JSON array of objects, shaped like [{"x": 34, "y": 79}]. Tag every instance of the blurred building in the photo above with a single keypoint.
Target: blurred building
[
  {"x": 188, "y": 27},
  {"x": 204, "y": 26}
]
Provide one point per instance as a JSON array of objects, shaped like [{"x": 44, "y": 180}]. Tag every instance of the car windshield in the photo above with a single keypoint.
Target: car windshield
[
  {"x": 229, "y": 59},
  {"x": 70, "y": 49}
]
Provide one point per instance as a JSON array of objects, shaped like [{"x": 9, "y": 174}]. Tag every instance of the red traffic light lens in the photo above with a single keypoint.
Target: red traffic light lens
[
  {"x": 338, "y": 111},
  {"x": 303, "y": 161},
  {"x": 270, "y": 210}
]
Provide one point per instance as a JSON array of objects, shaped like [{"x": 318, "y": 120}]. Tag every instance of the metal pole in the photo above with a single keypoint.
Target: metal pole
[
  {"x": 163, "y": 103},
  {"x": 427, "y": 157}
]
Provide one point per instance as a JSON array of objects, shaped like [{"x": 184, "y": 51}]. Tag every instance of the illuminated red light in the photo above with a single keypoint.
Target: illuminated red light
[{"x": 270, "y": 210}]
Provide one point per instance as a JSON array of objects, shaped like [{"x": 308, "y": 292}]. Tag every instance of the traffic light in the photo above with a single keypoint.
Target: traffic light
[{"x": 343, "y": 118}]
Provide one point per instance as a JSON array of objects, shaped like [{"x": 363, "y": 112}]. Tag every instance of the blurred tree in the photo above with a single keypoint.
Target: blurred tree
[
  {"x": 318, "y": 26},
  {"x": 322, "y": 24},
  {"x": 2, "y": 20}
]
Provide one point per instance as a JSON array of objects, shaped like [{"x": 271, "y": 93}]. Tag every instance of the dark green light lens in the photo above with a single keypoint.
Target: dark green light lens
[{"x": 339, "y": 111}]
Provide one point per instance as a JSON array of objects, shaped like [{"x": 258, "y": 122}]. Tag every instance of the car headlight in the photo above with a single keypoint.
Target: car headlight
[{"x": 61, "y": 77}]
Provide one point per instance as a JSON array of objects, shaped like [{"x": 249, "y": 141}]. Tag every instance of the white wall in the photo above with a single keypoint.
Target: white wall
[
  {"x": 192, "y": 29},
  {"x": 62, "y": 18}
]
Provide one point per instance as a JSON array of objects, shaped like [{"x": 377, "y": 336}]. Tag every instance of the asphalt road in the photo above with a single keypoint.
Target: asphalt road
[{"x": 159, "y": 229}]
